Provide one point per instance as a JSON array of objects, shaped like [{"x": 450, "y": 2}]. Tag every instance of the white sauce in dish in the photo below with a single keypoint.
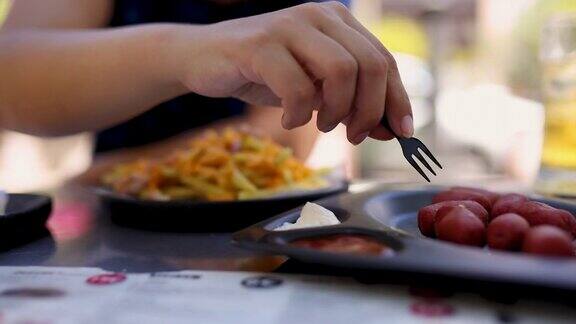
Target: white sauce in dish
[{"x": 312, "y": 215}]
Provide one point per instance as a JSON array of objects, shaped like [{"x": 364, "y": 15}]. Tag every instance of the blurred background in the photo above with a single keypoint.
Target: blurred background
[{"x": 473, "y": 74}]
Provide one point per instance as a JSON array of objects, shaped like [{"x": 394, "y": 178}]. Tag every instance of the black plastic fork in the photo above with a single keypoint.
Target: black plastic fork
[{"x": 410, "y": 150}]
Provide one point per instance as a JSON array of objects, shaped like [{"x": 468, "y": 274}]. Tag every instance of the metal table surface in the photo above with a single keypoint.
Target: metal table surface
[{"x": 81, "y": 235}]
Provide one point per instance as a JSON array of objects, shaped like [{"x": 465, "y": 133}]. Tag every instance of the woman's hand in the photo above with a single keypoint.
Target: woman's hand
[
  {"x": 61, "y": 76},
  {"x": 312, "y": 56}
]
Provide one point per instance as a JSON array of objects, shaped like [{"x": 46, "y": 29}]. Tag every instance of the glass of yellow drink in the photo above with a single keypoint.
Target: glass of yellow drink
[
  {"x": 559, "y": 81},
  {"x": 558, "y": 56}
]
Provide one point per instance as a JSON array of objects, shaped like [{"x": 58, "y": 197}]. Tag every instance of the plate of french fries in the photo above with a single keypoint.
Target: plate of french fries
[{"x": 227, "y": 171}]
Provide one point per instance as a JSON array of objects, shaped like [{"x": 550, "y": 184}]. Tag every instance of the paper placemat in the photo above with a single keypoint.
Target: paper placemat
[{"x": 89, "y": 295}]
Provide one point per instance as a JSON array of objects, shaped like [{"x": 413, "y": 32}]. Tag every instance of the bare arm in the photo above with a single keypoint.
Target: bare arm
[
  {"x": 61, "y": 75},
  {"x": 64, "y": 82},
  {"x": 73, "y": 14},
  {"x": 58, "y": 80}
]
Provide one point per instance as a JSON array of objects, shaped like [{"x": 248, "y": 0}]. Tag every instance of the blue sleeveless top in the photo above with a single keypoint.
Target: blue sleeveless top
[{"x": 188, "y": 111}]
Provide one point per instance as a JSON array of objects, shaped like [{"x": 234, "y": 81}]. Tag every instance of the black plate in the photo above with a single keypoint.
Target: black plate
[
  {"x": 195, "y": 216},
  {"x": 24, "y": 220},
  {"x": 391, "y": 217}
]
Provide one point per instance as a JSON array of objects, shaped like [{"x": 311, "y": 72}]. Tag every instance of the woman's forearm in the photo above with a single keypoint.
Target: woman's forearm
[
  {"x": 312, "y": 56},
  {"x": 58, "y": 82}
]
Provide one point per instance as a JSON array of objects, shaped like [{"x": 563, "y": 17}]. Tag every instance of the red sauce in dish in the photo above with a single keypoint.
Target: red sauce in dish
[{"x": 345, "y": 243}]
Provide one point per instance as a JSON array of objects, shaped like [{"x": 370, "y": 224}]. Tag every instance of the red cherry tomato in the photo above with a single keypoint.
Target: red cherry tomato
[
  {"x": 461, "y": 226},
  {"x": 472, "y": 206},
  {"x": 489, "y": 194},
  {"x": 537, "y": 213},
  {"x": 451, "y": 195},
  {"x": 506, "y": 232},
  {"x": 509, "y": 203},
  {"x": 427, "y": 215},
  {"x": 548, "y": 240}
]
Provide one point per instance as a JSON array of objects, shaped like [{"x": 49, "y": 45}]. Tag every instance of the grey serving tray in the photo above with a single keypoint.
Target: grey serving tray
[{"x": 390, "y": 216}]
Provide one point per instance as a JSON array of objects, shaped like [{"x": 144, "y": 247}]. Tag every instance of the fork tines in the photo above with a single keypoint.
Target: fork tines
[{"x": 410, "y": 150}]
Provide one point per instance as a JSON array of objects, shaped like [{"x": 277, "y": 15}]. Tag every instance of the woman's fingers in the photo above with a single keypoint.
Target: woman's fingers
[
  {"x": 331, "y": 64},
  {"x": 398, "y": 109},
  {"x": 317, "y": 56},
  {"x": 370, "y": 99},
  {"x": 381, "y": 133},
  {"x": 280, "y": 71}
]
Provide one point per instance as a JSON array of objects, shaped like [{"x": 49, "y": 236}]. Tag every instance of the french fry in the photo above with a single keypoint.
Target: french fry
[
  {"x": 246, "y": 195},
  {"x": 283, "y": 155},
  {"x": 241, "y": 182},
  {"x": 287, "y": 175},
  {"x": 252, "y": 143},
  {"x": 217, "y": 167},
  {"x": 203, "y": 187}
]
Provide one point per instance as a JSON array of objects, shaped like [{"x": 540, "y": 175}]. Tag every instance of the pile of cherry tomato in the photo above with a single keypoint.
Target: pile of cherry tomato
[{"x": 511, "y": 222}]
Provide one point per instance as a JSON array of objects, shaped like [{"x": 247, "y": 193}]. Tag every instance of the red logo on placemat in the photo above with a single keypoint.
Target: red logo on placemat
[
  {"x": 431, "y": 309},
  {"x": 106, "y": 279}
]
